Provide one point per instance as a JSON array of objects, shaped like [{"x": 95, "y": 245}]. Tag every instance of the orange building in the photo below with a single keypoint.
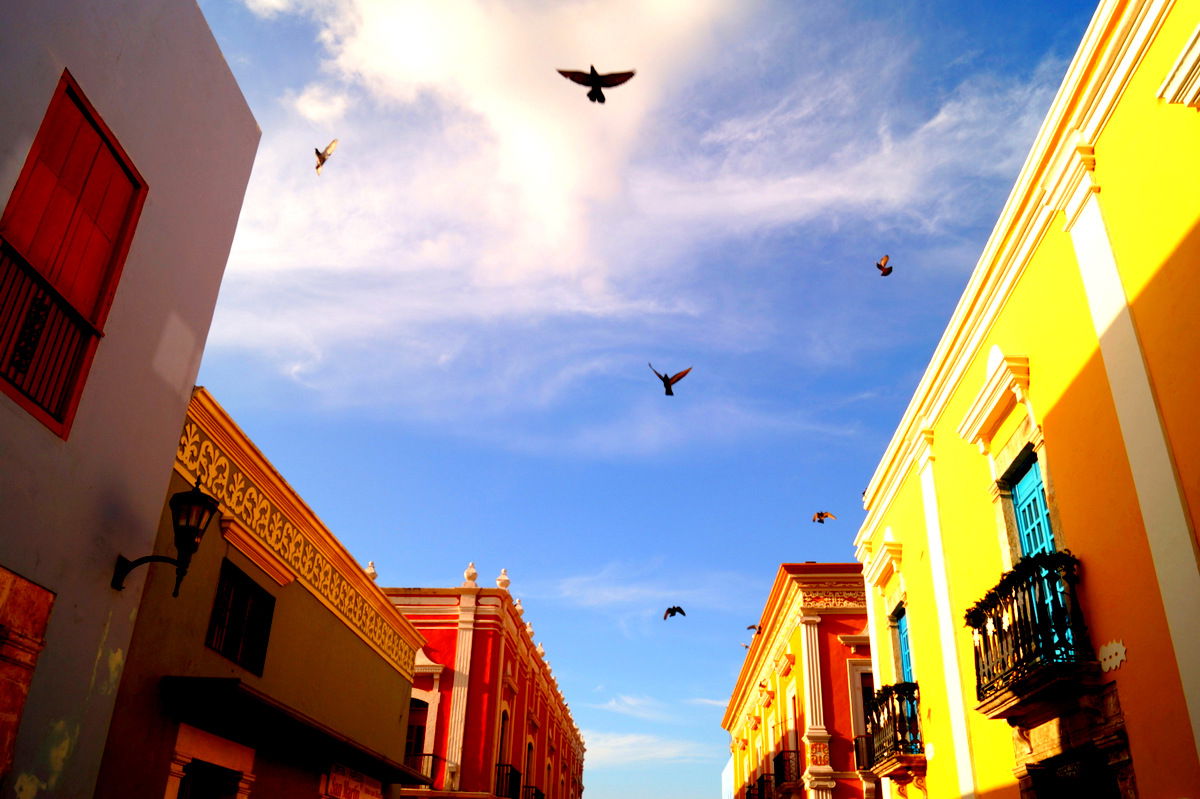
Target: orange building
[
  {"x": 797, "y": 714},
  {"x": 487, "y": 717}
]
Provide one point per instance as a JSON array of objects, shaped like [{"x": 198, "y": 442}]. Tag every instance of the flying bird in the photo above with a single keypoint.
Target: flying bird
[
  {"x": 323, "y": 155},
  {"x": 820, "y": 516},
  {"x": 881, "y": 265},
  {"x": 756, "y": 627},
  {"x": 595, "y": 81},
  {"x": 745, "y": 646},
  {"x": 671, "y": 611},
  {"x": 669, "y": 381}
]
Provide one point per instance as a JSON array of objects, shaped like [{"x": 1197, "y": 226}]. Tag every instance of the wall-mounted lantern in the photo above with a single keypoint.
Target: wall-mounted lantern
[{"x": 191, "y": 511}]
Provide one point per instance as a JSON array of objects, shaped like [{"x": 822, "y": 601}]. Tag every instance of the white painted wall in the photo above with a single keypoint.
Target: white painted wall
[{"x": 154, "y": 73}]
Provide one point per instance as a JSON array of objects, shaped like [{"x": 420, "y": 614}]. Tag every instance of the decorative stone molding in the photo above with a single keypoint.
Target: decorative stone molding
[
  {"x": 884, "y": 564},
  {"x": 1182, "y": 84},
  {"x": 250, "y": 546},
  {"x": 783, "y": 664},
  {"x": 278, "y": 536},
  {"x": 1006, "y": 386}
]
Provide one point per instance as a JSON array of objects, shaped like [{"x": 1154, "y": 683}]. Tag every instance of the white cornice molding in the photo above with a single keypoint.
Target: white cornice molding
[
  {"x": 884, "y": 564},
  {"x": 1004, "y": 388},
  {"x": 1113, "y": 46},
  {"x": 1182, "y": 84}
]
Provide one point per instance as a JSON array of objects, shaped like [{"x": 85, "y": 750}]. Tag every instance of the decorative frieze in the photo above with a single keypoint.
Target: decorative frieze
[{"x": 200, "y": 458}]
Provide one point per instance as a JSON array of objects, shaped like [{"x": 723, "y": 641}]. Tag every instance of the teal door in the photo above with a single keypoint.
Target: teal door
[
  {"x": 906, "y": 670},
  {"x": 1033, "y": 518}
]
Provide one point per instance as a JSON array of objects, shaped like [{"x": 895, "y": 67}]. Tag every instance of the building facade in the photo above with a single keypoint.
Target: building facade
[
  {"x": 488, "y": 718},
  {"x": 280, "y": 669},
  {"x": 1030, "y": 545},
  {"x": 114, "y": 234},
  {"x": 796, "y": 717}
]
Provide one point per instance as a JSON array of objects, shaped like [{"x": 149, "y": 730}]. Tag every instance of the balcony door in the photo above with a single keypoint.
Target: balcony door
[{"x": 1033, "y": 517}]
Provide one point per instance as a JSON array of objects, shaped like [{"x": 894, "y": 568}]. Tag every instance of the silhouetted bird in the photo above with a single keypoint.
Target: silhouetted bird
[
  {"x": 669, "y": 381},
  {"x": 595, "y": 81},
  {"x": 323, "y": 155},
  {"x": 745, "y": 646},
  {"x": 756, "y": 627},
  {"x": 881, "y": 265},
  {"x": 820, "y": 516},
  {"x": 671, "y": 611}
]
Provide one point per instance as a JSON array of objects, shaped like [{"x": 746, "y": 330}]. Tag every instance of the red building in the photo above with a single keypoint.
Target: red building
[
  {"x": 798, "y": 717},
  {"x": 487, "y": 716}
]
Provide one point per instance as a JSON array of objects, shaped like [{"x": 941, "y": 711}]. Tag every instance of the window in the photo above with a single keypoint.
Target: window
[
  {"x": 203, "y": 780},
  {"x": 241, "y": 619},
  {"x": 1029, "y": 507},
  {"x": 903, "y": 648},
  {"x": 64, "y": 235}
]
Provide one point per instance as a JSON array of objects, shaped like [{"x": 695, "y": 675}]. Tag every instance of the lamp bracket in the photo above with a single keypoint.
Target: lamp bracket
[{"x": 125, "y": 566}]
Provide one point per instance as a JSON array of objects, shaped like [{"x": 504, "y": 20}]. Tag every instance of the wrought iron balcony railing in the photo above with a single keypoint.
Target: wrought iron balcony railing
[
  {"x": 787, "y": 767},
  {"x": 427, "y": 765},
  {"x": 766, "y": 786},
  {"x": 895, "y": 722},
  {"x": 43, "y": 339},
  {"x": 751, "y": 791},
  {"x": 1029, "y": 621},
  {"x": 530, "y": 792},
  {"x": 508, "y": 781},
  {"x": 864, "y": 752}
]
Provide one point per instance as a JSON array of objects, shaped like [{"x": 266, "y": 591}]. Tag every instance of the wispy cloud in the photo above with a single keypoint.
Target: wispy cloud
[
  {"x": 709, "y": 702},
  {"x": 609, "y": 749},
  {"x": 640, "y": 707},
  {"x": 485, "y": 242}
]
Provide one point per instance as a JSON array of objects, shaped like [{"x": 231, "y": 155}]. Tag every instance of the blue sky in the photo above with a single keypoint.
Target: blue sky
[{"x": 441, "y": 342}]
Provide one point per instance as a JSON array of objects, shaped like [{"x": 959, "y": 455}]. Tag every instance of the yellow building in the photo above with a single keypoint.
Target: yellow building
[
  {"x": 795, "y": 717},
  {"x": 1030, "y": 546}
]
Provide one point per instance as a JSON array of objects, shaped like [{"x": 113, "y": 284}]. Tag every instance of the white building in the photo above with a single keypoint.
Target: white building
[{"x": 125, "y": 149}]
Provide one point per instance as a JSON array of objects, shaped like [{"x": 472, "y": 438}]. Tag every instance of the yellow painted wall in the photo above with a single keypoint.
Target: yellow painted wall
[{"x": 1148, "y": 170}]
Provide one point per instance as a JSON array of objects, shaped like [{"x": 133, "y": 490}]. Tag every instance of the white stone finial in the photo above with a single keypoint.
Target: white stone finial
[
  {"x": 469, "y": 576},
  {"x": 541, "y": 650},
  {"x": 529, "y": 628},
  {"x": 520, "y": 608},
  {"x": 502, "y": 581},
  {"x": 370, "y": 570}
]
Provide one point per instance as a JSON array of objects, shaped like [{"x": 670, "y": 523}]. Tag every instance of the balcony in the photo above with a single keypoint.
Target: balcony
[
  {"x": 427, "y": 765},
  {"x": 751, "y": 791},
  {"x": 789, "y": 769},
  {"x": 765, "y": 786},
  {"x": 1031, "y": 646},
  {"x": 530, "y": 792},
  {"x": 508, "y": 781},
  {"x": 896, "y": 750},
  {"x": 864, "y": 752},
  {"x": 44, "y": 341}
]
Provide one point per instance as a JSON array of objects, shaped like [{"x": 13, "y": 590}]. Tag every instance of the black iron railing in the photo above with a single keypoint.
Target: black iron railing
[
  {"x": 427, "y": 765},
  {"x": 43, "y": 339},
  {"x": 895, "y": 723},
  {"x": 530, "y": 792},
  {"x": 864, "y": 750},
  {"x": 787, "y": 767},
  {"x": 1030, "y": 620},
  {"x": 751, "y": 791},
  {"x": 508, "y": 781},
  {"x": 766, "y": 786}
]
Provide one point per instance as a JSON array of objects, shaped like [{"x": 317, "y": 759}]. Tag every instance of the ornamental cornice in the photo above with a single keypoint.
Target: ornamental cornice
[
  {"x": 884, "y": 564},
  {"x": 1182, "y": 84},
  {"x": 213, "y": 452},
  {"x": 1007, "y": 384}
]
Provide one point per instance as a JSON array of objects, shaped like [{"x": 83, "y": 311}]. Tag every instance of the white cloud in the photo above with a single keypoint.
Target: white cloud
[
  {"x": 319, "y": 103},
  {"x": 640, "y": 707},
  {"x": 605, "y": 749},
  {"x": 709, "y": 702}
]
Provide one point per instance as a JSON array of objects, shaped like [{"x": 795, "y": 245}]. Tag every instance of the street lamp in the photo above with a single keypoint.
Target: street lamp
[{"x": 191, "y": 511}]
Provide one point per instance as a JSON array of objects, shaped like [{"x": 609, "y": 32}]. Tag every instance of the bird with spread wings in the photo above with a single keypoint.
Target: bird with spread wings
[
  {"x": 595, "y": 81},
  {"x": 323, "y": 155},
  {"x": 671, "y": 380},
  {"x": 672, "y": 611},
  {"x": 882, "y": 266},
  {"x": 820, "y": 516}
]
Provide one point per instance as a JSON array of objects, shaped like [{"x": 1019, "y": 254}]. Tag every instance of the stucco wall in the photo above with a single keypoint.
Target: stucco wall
[{"x": 153, "y": 72}]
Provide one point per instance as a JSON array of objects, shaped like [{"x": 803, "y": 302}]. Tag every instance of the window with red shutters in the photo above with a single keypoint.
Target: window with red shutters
[{"x": 64, "y": 235}]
